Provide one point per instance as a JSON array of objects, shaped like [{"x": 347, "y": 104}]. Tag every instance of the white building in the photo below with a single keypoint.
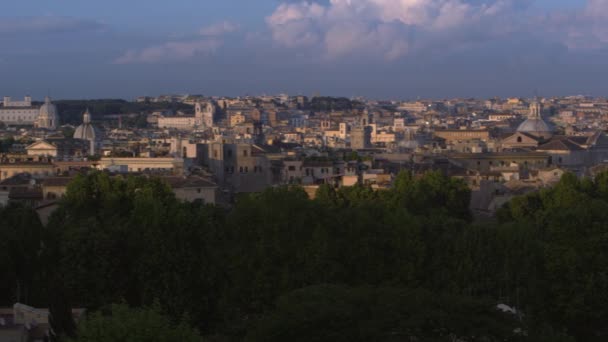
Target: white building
[
  {"x": 203, "y": 118},
  {"x": 24, "y": 113}
]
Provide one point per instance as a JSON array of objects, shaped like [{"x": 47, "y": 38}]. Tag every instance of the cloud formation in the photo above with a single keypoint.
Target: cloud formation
[
  {"x": 209, "y": 43},
  {"x": 170, "y": 51},
  {"x": 47, "y": 24},
  {"x": 219, "y": 29},
  {"x": 391, "y": 29}
]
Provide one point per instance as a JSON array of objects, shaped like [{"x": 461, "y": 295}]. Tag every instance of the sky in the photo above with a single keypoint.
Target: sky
[{"x": 384, "y": 49}]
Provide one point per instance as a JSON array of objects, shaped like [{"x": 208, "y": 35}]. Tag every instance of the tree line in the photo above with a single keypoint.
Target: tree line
[
  {"x": 354, "y": 264},
  {"x": 71, "y": 110}
]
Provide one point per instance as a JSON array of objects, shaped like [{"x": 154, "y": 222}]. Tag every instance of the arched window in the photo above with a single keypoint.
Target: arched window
[{"x": 518, "y": 139}]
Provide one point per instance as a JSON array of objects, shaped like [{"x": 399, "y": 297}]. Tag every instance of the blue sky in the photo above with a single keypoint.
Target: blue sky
[{"x": 373, "y": 48}]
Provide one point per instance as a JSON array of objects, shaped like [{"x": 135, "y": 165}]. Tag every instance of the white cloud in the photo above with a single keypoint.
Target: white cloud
[
  {"x": 170, "y": 51},
  {"x": 219, "y": 29},
  {"x": 180, "y": 50},
  {"x": 383, "y": 28},
  {"x": 391, "y": 29}
]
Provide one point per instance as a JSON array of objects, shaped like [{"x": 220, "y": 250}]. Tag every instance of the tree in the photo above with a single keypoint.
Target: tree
[
  {"x": 341, "y": 313},
  {"x": 120, "y": 323},
  {"x": 20, "y": 247}
]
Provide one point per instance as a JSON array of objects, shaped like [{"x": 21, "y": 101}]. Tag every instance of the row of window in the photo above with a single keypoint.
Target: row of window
[
  {"x": 503, "y": 163},
  {"x": 229, "y": 153},
  {"x": 16, "y": 118},
  {"x": 243, "y": 169}
]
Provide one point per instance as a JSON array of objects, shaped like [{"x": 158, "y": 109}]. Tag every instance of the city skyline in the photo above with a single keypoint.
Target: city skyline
[{"x": 371, "y": 48}]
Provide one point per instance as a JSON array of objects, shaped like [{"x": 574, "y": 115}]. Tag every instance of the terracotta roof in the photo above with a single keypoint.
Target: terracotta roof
[
  {"x": 560, "y": 145},
  {"x": 189, "y": 182},
  {"x": 16, "y": 180},
  {"x": 57, "y": 181},
  {"x": 25, "y": 193}
]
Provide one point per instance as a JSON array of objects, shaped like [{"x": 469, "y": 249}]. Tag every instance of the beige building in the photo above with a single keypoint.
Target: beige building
[
  {"x": 41, "y": 148},
  {"x": 193, "y": 188},
  {"x": 173, "y": 165},
  {"x": 239, "y": 167},
  {"x": 455, "y": 135},
  {"x": 485, "y": 162},
  {"x": 37, "y": 166},
  {"x": 237, "y": 119}
]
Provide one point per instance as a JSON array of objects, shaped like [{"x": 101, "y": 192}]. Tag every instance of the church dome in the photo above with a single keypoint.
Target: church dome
[
  {"x": 534, "y": 124},
  {"x": 48, "y": 110},
  {"x": 85, "y": 131},
  {"x": 47, "y": 115}
]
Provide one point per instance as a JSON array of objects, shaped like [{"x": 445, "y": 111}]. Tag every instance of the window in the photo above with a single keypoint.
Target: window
[
  {"x": 518, "y": 139},
  {"x": 241, "y": 169},
  {"x": 244, "y": 153},
  {"x": 246, "y": 169},
  {"x": 291, "y": 168},
  {"x": 229, "y": 153},
  {"x": 198, "y": 190}
]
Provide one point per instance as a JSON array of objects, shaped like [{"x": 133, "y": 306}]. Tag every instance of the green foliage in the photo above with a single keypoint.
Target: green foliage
[
  {"x": 6, "y": 144},
  {"x": 139, "y": 121},
  {"x": 120, "y": 323},
  {"x": 20, "y": 246},
  {"x": 71, "y": 110},
  {"x": 129, "y": 239},
  {"x": 340, "y": 313},
  {"x": 319, "y": 104},
  {"x": 67, "y": 132},
  {"x": 260, "y": 269}
]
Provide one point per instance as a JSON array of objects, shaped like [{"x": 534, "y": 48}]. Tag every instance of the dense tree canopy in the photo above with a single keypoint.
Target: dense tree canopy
[
  {"x": 120, "y": 323},
  {"x": 71, "y": 110},
  {"x": 352, "y": 264}
]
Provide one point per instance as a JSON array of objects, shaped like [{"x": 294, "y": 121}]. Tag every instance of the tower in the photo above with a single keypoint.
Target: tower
[
  {"x": 535, "y": 110},
  {"x": 204, "y": 115}
]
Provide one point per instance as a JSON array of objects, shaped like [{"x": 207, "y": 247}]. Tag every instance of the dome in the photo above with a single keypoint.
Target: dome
[
  {"x": 47, "y": 115},
  {"x": 85, "y": 131},
  {"x": 48, "y": 110},
  {"x": 533, "y": 125}
]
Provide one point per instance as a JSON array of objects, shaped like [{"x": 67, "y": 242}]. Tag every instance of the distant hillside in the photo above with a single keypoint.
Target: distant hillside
[{"x": 71, "y": 110}]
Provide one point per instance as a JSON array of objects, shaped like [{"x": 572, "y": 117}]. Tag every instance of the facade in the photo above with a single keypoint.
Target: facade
[
  {"x": 37, "y": 166},
  {"x": 485, "y": 162},
  {"x": 16, "y": 113},
  {"x": 454, "y": 135},
  {"x": 204, "y": 116},
  {"x": 191, "y": 189},
  {"x": 361, "y": 138},
  {"x": 168, "y": 165},
  {"x": 178, "y": 122},
  {"x": 239, "y": 167}
]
